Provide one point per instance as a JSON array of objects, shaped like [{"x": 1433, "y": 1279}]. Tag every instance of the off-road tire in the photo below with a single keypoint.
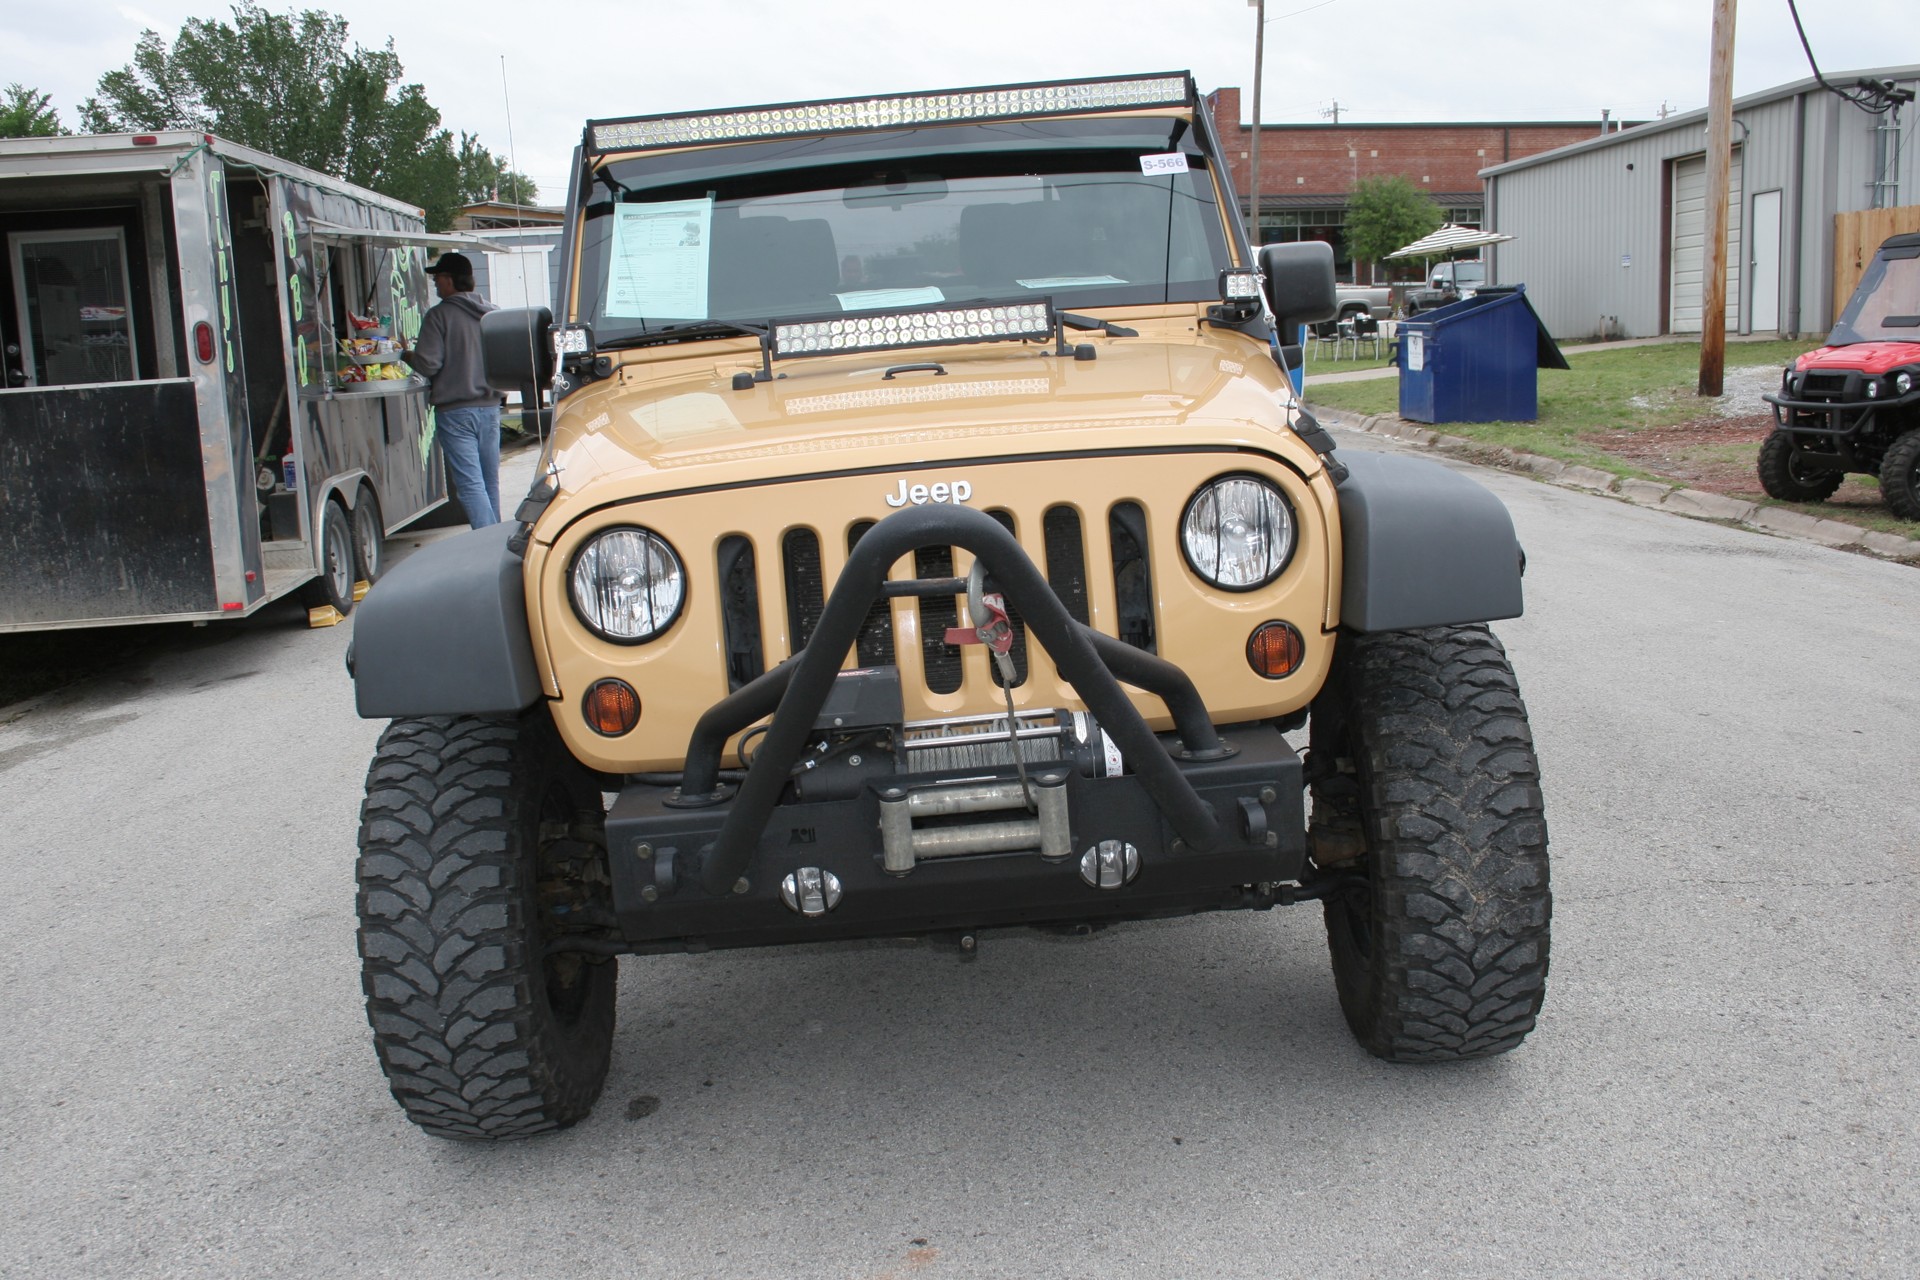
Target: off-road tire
[
  {"x": 1900, "y": 476},
  {"x": 1783, "y": 480},
  {"x": 469, "y": 825},
  {"x": 1427, "y": 795}
]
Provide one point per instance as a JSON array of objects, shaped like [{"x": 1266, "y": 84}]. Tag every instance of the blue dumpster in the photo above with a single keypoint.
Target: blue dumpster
[{"x": 1475, "y": 360}]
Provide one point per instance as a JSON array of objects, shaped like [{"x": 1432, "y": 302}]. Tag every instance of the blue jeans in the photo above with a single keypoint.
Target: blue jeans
[{"x": 470, "y": 442}]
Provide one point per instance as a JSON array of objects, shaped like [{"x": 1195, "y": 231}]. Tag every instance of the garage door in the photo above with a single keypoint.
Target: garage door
[{"x": 1690, "y": 243}]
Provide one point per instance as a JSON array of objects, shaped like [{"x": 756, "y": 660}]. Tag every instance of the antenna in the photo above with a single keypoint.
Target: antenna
[{"x": 519, "y": 222}]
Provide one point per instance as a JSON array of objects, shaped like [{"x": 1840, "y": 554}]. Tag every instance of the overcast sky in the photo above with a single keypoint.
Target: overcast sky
[{"x": 1381, "y": 60}]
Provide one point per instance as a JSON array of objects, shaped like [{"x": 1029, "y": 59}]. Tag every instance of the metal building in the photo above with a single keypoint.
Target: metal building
[{"x": 1609, "y": 233}]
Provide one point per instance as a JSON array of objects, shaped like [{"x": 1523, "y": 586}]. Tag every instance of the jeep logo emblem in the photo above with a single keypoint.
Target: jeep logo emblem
[{"x": 920, "y": 494}]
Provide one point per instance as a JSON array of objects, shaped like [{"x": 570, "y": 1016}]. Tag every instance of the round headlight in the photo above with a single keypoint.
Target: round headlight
[
  {"x": 1903, "y": 382},
  {"x": 1873, "y": 388},
  {"x": 1237, "y": 532},
  {"x": 628, "y": 585}
]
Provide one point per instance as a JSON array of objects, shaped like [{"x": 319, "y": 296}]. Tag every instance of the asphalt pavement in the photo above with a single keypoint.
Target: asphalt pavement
[{"x": 1723, "y": 1081}]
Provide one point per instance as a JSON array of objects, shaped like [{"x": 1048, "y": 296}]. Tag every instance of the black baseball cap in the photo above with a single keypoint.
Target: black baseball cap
[{"x": 451, "y": 264}]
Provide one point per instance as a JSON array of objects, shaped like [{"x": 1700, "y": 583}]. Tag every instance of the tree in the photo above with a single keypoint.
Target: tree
[
  {"x": 1387, "y": 212},
  {"x": 485, "y": 176},
  {"x": 26, "y": 113},
  {"x": 288, "y": 84}
]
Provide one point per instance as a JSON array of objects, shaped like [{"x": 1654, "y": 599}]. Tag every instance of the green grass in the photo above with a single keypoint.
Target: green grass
[{"x": 1626, "y": 388}]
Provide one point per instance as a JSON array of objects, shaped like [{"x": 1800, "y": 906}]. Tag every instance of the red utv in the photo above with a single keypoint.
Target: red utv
[{"x": 1854, "y": 404}]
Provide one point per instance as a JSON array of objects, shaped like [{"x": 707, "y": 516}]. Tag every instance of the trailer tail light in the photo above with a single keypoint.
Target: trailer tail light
[
  {"x": 203, "y": 342},
  {"x": 145, "y": 140}
]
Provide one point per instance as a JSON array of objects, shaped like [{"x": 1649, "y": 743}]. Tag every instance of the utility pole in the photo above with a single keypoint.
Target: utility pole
[
  {"x": 1713, "y": 281},
  {"x": 1259, "y": 60},
  {"x": 1333, "y": 111}
]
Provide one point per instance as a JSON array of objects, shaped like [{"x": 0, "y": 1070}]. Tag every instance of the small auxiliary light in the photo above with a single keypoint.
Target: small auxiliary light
[
  {"x": 611, "y": 707},
  {"x": 572, "y": 340},
  {"x": 1240, "y": 293},
  {"x": 924, "y": 327},
  {"x": 1275, "y": 649}
]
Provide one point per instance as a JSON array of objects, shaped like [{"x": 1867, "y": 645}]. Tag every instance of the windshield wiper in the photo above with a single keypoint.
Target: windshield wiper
[
  {"x": 691, "y": 329},
  {"x": 1074, "y": 320}
]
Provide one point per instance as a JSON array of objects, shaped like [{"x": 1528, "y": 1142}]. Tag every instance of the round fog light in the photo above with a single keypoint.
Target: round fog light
[
  {"x": 1903, "y": 382},
  {"x": 611, "y": 707},
  {"x": 1275, "y": 649}
]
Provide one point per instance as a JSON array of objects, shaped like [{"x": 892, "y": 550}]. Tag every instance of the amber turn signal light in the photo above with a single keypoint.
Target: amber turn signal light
[
  {"x": 1275, "y": 649},
  {"x": 611, "y": 707}
]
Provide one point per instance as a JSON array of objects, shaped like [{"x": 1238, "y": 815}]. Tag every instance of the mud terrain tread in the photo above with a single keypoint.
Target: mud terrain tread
[
  {"x": 1454, "y": 825},
  {"x": 1777, "y": 478},
  {"x": 1900, "y": 476},
  {"x": 462, "y": 1024}
]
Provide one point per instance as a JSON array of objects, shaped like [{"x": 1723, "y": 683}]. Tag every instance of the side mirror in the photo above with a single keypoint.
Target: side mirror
[
  {"x": 1299, "y": 284},
  {"x": 517, "y": 347}
]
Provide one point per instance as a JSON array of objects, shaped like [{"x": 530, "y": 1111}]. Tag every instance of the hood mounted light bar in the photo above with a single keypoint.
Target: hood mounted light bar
[
  {"x": 960, "y": 106},
  {"x": 1020, "y": 320}
]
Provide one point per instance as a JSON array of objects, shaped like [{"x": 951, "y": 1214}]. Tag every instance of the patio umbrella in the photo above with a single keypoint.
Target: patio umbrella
[{"x": 1447, "y": 240}]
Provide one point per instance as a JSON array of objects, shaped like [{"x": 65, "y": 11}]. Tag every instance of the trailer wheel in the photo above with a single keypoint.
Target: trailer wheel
[
  {"x": 1427, "y": 795},
  {"x": 1783, "y": 479},
  {"x": 481, "y": 840},
  {"x": 1900, "y": 476},
  {"x": 334, "y": 586},
  {"x": 369, "y": 537}
]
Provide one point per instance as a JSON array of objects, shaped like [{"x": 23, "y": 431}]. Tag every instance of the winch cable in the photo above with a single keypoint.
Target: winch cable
[{"x": 987, "y": 611}]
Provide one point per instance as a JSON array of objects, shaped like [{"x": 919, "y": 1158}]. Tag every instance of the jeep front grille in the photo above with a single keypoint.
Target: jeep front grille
[{"x": 804, "y": 586}]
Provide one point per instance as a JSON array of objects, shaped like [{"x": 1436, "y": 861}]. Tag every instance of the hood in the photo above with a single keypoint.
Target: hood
[
  {"x": 902, "y": 408},
  {"x": 1864, "y": 357}
]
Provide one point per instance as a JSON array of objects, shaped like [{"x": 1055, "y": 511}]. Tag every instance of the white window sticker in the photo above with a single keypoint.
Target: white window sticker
[
  {"x": 1172, "y": 162},
  {"x": 657, "y": 263},
  {"x": 867, "y": 299},
  {"x": 1067, "y": 282},
  {"x": 1416, "y": 352}
]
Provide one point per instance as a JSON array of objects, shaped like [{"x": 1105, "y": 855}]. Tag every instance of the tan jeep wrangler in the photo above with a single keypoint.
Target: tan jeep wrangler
[{"x": 930, "y": 540}]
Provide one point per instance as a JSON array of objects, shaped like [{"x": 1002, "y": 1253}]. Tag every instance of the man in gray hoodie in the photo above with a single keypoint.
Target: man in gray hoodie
[{"x": 466, "y": 409}]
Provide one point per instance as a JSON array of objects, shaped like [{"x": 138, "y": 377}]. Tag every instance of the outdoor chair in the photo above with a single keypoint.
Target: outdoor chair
[{"x": 1366, "y": 329}]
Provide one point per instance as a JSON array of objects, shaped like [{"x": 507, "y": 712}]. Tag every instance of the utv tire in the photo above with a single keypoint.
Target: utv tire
[
  {"x": 470, "y": 825},
  {"x": 1428, "y": 794},
  {"x": 1900, "y": 476},
  {"x": 1783, "y": 479}
]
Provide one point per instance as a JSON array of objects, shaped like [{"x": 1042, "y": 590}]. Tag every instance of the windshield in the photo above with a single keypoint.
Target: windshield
[
  {"x": 1886, "y": 306},
  {"x": 1087, "y": 220}
]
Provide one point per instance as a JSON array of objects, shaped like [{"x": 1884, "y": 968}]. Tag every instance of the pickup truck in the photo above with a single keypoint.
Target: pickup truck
[
  {"x": 1447, "y": 282},
  {"x": 1354, "y": 299}
]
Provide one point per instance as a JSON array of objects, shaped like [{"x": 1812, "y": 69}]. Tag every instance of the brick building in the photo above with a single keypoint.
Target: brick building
[{"x": 1307, "y": 170}]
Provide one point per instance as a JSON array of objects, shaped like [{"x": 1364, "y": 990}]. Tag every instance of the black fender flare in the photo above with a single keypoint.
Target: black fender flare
[
  {"x": 1422, "y": 546},
  {"x": 444, "y": 633}
]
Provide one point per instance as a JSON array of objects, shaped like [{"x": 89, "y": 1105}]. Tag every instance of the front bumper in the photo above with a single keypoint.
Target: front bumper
[
  {"x": 1215, "y": 819},
  {"x": 1838, "y": 421}
]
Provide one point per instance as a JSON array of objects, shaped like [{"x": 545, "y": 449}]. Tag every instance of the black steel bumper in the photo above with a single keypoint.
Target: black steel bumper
[
  {"x": 1215, "y": 817},
  {"x": 1839, "y": 420}
]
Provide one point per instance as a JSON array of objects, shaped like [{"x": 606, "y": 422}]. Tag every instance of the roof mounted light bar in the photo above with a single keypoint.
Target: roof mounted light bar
[{"x": 996, "y": 102}]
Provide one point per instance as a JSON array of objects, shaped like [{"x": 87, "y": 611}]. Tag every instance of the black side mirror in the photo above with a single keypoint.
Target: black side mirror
[
  {"x": 517, "y": 347},
  {"x": 1299, "y": 284}
]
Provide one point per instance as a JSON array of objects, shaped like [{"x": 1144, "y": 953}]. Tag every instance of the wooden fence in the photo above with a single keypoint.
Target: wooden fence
[{"x": 1856, "y": 236}]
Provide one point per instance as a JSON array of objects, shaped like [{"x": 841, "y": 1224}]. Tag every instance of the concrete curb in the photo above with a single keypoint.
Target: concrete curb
[{"x": 1644, "y": 493}]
